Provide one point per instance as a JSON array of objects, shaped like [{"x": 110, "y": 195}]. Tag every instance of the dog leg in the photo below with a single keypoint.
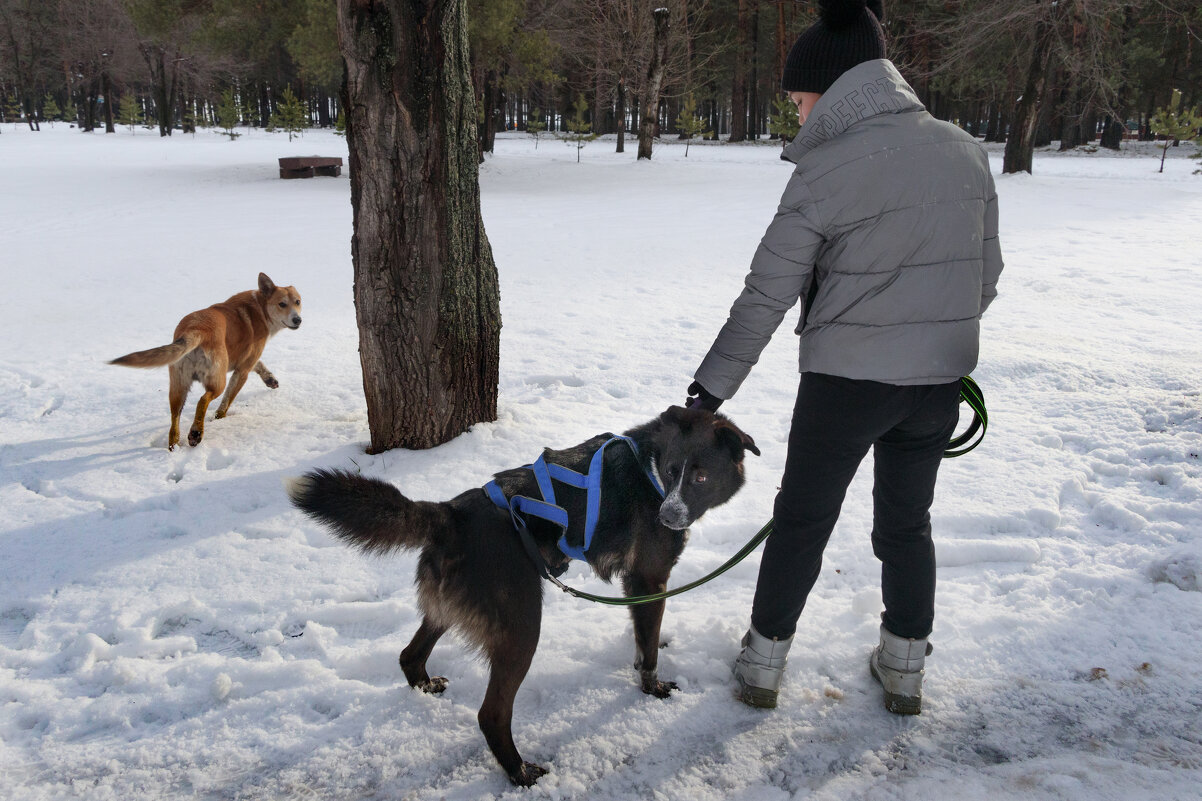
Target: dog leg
[
  {"x": 213, "y": 388},
  {"x": 177, "y": 394},
  {"x": 231, "y": 392},
  {"x": 262, "y": 372},
  {"x": 413, "y": 658},
  {"x": 647, "y": 619},
  {"x": 510, "y": 660}
]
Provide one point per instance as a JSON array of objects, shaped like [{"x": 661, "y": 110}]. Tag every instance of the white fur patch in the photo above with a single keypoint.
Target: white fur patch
[{"x": 674, "y": 508}]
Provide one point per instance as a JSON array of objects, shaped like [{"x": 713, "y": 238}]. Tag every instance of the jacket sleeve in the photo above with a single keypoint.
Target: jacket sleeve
[
  {"x": 781, "y": 271},
  {"x": 991, "y": 251}
]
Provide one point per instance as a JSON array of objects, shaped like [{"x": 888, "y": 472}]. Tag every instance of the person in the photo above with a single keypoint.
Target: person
[{"x": 887, "y": 234}]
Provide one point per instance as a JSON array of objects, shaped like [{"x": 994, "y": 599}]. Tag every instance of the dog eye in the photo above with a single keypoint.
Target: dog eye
[
  {"x": 700, "y": 477},
  {"x": 283, "y": 305}
]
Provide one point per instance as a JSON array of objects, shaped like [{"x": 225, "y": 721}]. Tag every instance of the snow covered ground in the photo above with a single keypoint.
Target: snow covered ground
[{"x": 171, "y": 629}]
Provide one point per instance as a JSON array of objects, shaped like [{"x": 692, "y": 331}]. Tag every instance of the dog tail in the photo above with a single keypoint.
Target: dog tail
[
  {"x": 365, "y": 513},
  {"x": 160, "y": 356}
]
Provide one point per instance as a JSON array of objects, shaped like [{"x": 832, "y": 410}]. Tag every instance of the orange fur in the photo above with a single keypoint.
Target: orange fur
[{"x": 226, "y": 337}]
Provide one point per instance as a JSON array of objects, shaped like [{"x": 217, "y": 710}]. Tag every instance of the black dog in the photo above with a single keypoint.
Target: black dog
[{"x": 474, "y": 572}]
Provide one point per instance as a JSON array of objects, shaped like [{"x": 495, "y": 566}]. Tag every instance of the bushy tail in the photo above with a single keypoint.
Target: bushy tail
[
  {"x": 366, "y": 513},
  {"x": 160, "y": 356}
]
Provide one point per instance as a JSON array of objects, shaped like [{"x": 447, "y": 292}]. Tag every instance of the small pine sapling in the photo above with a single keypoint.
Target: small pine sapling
[
  {"x": 579, "y": 130},
  {"x": 50, "y": 109},
  {"x": 227, "y": 114},
  {"x": 249, "y": 112},
  {"x": 783, "y": 121},
  {"x": 290, "y": 115},
  {"x": 1175, "y": 124},
  {"x": 340, "y": 123},
  {"x": 689, "y": 124},
  {"x": 12, "y": 110},
  {"x": 129, "y": 111},
  {"x": 535, "y": 124}
]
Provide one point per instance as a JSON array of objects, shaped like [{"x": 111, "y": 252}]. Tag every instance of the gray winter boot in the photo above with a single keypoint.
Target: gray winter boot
[
  {"x": 760, "y": 667},
  {"x": 897, "y": 663}
]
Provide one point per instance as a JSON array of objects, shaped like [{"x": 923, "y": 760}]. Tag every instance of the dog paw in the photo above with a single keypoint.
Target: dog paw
[
  {"x": 194, "y": 437},
  {"x": 433, "y": 685},
  {"x": 660, "y": 689},
  {"x": 220, "y": 414},
  {"x": 271, "y": 383},
  {"x": 527, "y": 774}
]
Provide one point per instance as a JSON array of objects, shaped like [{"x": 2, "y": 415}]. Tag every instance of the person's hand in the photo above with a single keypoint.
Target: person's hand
[{"x": 700, "y": 398}]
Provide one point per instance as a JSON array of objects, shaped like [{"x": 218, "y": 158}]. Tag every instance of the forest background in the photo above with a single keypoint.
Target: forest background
[{"x": 1081, "y": 71}]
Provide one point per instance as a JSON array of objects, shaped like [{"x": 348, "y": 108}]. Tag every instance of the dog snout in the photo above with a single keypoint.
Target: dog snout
[
  {"x": 296, "y": 321},
  {"x": 674, "y": 514}
]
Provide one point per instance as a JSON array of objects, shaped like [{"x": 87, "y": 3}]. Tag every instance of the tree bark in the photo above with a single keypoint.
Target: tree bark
[
  {"x": 738, "y": 88},
  {"x": 488, "y": 121},
  {"x": 655, "y": 79},
  {"x": 620, "y": 116},
  {"x": 106, "y": 91},
  {"x": 426, "y": 294},
  {"x": 163, "y": 85},
  {"x": 1020, "y": 144}
]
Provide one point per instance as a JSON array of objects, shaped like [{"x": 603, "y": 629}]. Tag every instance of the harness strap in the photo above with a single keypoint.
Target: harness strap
[{"x": 548, "y": 509}]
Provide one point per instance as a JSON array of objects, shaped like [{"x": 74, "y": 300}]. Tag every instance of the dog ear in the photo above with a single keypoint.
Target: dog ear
[
  {"x": 734, "y": 438},
  {"x": 675, "y": 415},
  {"x": 266, "y": 285}
]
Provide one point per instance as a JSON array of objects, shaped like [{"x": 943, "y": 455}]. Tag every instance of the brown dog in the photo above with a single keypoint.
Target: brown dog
[{"x": 211, "y": 342}]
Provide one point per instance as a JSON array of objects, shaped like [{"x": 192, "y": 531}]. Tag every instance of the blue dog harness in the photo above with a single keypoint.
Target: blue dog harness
[{"x": 546, "y": 508}]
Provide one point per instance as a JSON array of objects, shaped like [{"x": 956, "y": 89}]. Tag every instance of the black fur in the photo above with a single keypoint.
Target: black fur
[{"x": 474, "y": 574}]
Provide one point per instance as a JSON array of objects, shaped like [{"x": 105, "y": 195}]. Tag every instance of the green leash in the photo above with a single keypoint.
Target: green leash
[
  {"x": 659, "y": 596},
  {"x": 970, "y": 393}
]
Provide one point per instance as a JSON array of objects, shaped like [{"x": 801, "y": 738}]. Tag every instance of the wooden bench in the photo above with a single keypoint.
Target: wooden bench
[{"x": 308, "y": 166}]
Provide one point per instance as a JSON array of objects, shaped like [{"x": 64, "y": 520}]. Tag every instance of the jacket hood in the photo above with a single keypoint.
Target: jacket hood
[{"x": 866, "y": 90}]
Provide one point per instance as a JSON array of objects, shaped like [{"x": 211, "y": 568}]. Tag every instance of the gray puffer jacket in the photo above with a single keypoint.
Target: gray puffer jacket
[{"x": 888, "y": 233}]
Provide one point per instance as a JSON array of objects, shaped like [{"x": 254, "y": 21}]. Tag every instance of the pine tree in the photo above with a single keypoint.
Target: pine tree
[
  {"x": 1175, "y": 124},
  {"x": 249, "y": 111},
  {"x": 290, "y": 115},
  {"x": 783, "y": 121},
  {"x": 689, "y": 124},
  {"x": 579, "y": 130},
  {"x": 227, "y": 113},
  {"x": 340, "y": 123},
  {"x": 50, "y": 109},
  {"x": 129, "y": 111},
  {"x": 12, "y": 110},
  {"x": 535, "y": 124}
]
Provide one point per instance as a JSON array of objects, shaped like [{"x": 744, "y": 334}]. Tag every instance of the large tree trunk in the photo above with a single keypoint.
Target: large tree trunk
[
  {"x": 491, "y": 101},
  {"x": 1020, "y": 144},
  {"x": 655, "y": 80},
  {"x": 426, "y": 295},
  {"x": 738, "y": 89},
  {"x": 162, "y": 86},
  {"x": 620, "y": 115},
  {"x": 106, "y": 90}
]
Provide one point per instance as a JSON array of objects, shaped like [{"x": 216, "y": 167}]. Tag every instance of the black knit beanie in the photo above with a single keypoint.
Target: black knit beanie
[{"x": 847, "y": 33}]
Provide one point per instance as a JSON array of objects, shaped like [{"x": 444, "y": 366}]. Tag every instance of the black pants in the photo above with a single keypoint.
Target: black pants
[{"x": 835, "y": 422}]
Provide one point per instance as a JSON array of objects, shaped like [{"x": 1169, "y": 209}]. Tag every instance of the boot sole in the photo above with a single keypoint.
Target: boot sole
[
  {"x": 898, "y": 704},
  {"x": 757, "y": 697}
]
